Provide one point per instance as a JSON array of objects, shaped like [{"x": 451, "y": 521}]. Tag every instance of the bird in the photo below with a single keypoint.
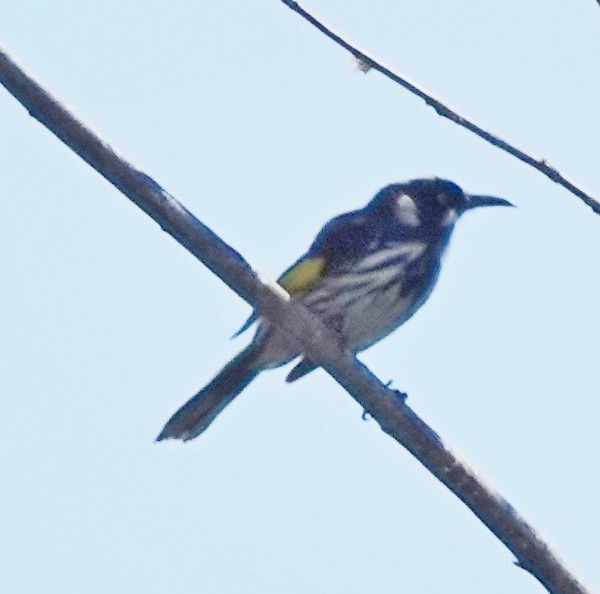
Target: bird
[{"x": 365, "y": 274}]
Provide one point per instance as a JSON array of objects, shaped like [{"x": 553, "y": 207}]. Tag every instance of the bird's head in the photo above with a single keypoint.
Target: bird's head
[{"x": 430, "y": 204}]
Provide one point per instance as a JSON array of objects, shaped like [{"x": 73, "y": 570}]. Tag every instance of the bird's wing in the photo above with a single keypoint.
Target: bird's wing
[
  {"x": 303, "y": 275},
  {"x": 342, "y": 239},
  {"x": 251, "y": 319},
  {"x": 299, "y": 278}
]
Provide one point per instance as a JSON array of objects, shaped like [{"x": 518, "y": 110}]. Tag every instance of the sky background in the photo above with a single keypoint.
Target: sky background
[{"x": 265, "y": 129}]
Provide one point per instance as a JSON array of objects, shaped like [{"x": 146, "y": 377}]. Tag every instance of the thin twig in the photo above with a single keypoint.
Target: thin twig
[
  {"x": 314, "y": 338},
  {"x": 366, "y": 63}
]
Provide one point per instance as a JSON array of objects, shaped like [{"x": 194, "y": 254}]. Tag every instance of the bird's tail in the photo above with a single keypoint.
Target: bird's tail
[{"x": 201, "y": 410}]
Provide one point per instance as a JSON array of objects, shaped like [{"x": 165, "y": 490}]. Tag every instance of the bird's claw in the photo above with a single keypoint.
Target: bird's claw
[{"x": 401, "y": 395}]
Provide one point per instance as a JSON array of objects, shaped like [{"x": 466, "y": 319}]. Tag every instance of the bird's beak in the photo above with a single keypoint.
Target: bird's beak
[{"x": 474, "y": 201}]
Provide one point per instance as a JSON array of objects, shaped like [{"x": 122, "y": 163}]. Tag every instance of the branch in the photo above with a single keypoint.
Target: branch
[
  {"x": 315, "y": 339},
  {"x": 366, "y": 63}
]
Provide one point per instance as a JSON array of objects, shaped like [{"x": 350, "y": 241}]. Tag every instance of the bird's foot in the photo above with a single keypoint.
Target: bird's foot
[{"x": 401, "y": 395}]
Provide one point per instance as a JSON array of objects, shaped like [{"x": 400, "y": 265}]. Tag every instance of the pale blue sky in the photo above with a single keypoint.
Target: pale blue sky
[{"x": 264, "y": 129}]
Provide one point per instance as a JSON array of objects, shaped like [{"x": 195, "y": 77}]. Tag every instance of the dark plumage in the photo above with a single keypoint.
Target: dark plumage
[{"x": 364, "y": 275}]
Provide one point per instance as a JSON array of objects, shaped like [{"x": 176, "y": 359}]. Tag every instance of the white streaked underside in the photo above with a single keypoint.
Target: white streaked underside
[
  {"x": 369, "y": 295},
  {"x": 373, "y": 272},
  {"x": 364, "y": 302},
  {"x": 406, "y": 252}
]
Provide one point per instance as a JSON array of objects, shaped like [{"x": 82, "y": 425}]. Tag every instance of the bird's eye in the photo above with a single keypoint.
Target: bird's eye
[
  {"x": 449, "y": 195},
  {"x": 446, "y": 200}
]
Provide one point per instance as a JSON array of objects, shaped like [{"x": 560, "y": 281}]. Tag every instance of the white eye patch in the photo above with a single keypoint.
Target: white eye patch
[
  {"x": 407, "y": 211},
  {"x": 450, "y": 218}
]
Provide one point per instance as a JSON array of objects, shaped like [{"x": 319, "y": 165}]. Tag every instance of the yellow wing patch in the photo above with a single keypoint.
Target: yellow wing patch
[{"x": 303, "y": 276}]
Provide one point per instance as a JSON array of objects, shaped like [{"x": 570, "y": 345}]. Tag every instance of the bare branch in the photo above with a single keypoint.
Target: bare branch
[
  {"x": 316, "y": 340},
  {"x": 366, "y": 63}
]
